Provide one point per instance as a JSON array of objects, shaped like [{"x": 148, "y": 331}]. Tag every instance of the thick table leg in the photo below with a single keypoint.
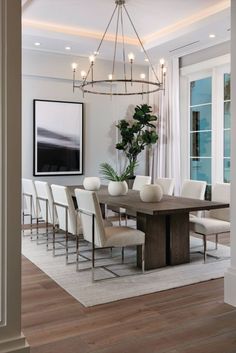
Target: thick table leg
[
  {"x": 178, "y": 239},
  {"x": 154, "y": 228}
]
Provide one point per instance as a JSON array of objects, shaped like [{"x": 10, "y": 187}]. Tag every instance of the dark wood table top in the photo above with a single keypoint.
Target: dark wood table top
[{"x": 168, "y": 204}]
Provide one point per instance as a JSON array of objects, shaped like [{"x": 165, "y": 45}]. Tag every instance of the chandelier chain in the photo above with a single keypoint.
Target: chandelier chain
[
  {"x": 115, "y": 45},
  {"x": 101, "y": 41},
  {"x": 140, "y": 42},
  {"x": 123, "y": 49}
]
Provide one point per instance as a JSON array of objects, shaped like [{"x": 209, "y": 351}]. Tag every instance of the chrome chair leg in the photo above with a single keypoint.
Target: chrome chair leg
[
  {"x": 205, "y": 248},
  {"x": 123, "y": 254},
  {"x": 93, "y": 247},
  {"x": 120, "y": 219},
  {"x": 23, "y": 221},
  {"x": 143, "y": 258},
  {"x": 77, "y": 253},
  {"x": 216, "y": 242},
  {"x": 126, "y": 219}
]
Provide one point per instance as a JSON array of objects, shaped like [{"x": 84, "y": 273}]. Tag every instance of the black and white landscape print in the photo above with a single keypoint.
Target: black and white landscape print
[{"x": 58, "y": 138}]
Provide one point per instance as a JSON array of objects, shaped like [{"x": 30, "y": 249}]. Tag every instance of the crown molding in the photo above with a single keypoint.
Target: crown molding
[
  {"x": 187, "y": 22},
  {"x": 25, "y": 4},
  {"x": 76, "y": 31}
]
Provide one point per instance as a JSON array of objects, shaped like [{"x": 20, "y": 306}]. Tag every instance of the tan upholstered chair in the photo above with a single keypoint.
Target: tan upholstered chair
[
  {"x": 45, "y": 200},
  {"x": 218, "y": 221},
  {"x": 68, "y": 219},
  {"x": 31, "y": 206},
  {"x": 99, "y": 235}
]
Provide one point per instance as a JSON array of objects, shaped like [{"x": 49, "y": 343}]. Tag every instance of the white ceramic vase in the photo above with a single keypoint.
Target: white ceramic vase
[
  {"x": 117, "y": 188},
  {"x": 151, "y": 193},
  {"x": 92, "y": 183}
]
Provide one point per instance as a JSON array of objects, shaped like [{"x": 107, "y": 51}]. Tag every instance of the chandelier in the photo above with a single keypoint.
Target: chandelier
[{"x": 125, "y": 83}]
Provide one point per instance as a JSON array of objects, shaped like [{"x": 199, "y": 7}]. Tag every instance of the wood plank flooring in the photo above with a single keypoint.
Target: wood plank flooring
[{"x": 188, "y": 319}]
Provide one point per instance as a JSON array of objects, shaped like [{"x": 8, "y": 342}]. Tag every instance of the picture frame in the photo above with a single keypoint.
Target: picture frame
[{"x": 58, "y": 138}]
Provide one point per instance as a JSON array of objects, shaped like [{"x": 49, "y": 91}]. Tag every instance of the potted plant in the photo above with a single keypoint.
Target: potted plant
[
  {"x": 137, "y": 134},
  {"x": 117, "y": 183}
]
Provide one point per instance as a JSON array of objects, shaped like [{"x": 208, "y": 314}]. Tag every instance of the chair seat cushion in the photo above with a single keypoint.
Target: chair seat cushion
[
  {"x": 107, "y": 223},
  {"x": 79, "y": 225},
  {"x": 123, "y": 236},
  {"x": 208, "y": 226}
]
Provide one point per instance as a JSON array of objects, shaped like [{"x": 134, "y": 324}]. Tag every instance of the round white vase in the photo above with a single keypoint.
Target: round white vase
[
  {"x": 151, "y": 193},
  {"x": 117, "y": 188},
  {"x": 92, "y": 183}
]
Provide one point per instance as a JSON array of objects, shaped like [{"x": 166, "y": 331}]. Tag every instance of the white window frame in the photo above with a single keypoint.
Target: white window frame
[{"x": 214, "y": 68}]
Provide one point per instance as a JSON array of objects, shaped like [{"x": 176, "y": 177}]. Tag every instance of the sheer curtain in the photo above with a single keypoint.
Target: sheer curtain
[{"x": 164, "y": 158}]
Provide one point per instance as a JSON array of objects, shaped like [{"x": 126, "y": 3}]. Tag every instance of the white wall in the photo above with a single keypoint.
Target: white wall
[
  {"x": 11, "y": 338},
  {"x": 205, "y": 54},
  {"x": 230, "y": 276},
  {"x": 48, "y": 76}
]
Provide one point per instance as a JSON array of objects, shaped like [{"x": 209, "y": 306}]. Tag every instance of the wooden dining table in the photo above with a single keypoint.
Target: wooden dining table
[{"x": 165, "y": 224}]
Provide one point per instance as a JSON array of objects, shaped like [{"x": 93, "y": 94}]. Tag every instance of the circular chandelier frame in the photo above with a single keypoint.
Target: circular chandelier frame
[
  {"x": 89, "y": 85},
  {"x": 125, "y": 93}
]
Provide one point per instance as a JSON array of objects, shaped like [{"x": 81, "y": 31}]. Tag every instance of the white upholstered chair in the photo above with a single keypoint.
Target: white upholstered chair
[
  {"x": 194, "y": 189},
  {"x": 31, "y": 206},
  {"x": 68, "y": 219},
  {"x": 218, "y": 221},
  {"x": 45, "y": 200},
  {"x": 140, "y": 181},
  {"x": 167, "y": 185},
  {"x": 99, "y": 235}
]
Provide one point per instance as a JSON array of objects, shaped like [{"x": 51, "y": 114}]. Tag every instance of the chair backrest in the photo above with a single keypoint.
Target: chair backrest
[
  {"x": 167, "y": 185},
  {"x": 28, "y": 187},
  {"x": 193, "y": 189},
  {"x": 62, "y": 196},
  {"x": 44, "y": 191},
  {"x": 140, "y": 181},
  {"x": 88, "y": 205},
  {"x": 221, "y": 193}
]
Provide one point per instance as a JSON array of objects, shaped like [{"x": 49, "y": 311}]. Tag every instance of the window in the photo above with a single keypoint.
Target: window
[
  {"x": 201, "y": 130},
  {"x": 227, "y": 130},
  {"x": 206, "y": 121}
]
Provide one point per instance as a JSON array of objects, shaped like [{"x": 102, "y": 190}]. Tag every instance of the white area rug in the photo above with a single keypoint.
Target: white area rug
[{"x": 79, "y": 284}]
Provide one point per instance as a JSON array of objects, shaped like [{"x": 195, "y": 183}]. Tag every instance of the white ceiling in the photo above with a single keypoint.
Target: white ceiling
[{"x": 163, "y": 25}]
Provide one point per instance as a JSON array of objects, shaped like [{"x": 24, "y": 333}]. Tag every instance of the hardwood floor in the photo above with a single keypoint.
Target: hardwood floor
[{"x": 183, "y": 320}]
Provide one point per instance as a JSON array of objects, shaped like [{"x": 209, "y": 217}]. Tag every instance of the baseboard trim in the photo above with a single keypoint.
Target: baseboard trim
[
  {"x": 230, "y": 286},
  {"x": 15, "y": 345}
]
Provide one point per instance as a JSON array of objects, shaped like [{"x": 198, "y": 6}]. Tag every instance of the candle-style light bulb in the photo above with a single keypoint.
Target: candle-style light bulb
[
  {"x": 131, "y": 57},
  {"x": 110, "y": 77},
  {"x": 131, "y": 60},
  {"x": 92, "y": 59},
  {"x": 162, "y": 61},
  {"x": 142, "y": 76},
  {"x": 83, "y": 74},
  {"x": 74, "y": 66},
  {"x": 164, "y": 70}
]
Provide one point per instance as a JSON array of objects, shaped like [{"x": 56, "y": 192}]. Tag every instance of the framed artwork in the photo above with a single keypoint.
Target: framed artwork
[{"x": 58, "y": 138}]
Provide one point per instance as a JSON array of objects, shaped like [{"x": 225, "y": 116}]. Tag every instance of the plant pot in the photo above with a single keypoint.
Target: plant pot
[
  {"x": 130, "y": 182},
  {"x": 151, "y": 193},
  {"x": 92, "y": 183},
  {"x": 117, "y": 188}
]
